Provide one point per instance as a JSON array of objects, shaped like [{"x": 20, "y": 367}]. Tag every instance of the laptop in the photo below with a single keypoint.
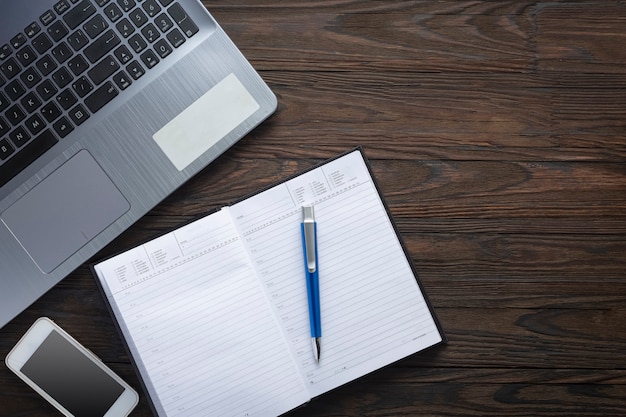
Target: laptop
[{"x": 106, "y": 107}]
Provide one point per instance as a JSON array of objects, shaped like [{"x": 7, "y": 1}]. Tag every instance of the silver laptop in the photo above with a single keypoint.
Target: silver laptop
[{"x": 106, "y": 107}]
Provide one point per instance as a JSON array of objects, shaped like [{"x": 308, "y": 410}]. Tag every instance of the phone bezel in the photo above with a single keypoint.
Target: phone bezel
[{"x": 30, "y": 342}]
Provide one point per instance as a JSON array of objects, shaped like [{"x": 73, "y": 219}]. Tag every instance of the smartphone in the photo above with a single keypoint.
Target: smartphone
[{"x": 68, "y": 375}]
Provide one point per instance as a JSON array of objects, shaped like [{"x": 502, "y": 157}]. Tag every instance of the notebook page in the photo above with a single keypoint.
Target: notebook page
[
  {"x": 373, "y": 312},
  {"x": 197, "y": 322}
]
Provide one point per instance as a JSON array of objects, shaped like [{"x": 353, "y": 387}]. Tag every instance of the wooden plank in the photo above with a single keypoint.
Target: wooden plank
[
  {"x": 386, "y": 399},
  {"x": 494, "y": 36},
  {"x": 379, "y": 35},
  {"x": 574, "y": 39}
]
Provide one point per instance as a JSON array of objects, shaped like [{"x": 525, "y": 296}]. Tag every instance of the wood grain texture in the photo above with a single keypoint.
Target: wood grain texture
[{"x": 496, "y": 131}]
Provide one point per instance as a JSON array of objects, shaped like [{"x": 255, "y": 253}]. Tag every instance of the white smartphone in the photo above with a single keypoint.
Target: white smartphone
[{"x": 68, "y": 375}]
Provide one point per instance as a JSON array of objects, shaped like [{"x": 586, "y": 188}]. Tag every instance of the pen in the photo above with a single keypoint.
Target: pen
[{"x": 309, "y": 246}]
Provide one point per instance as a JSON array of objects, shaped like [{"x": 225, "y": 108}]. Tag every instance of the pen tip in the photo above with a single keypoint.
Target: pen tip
[{"x": 317, "y": 348}]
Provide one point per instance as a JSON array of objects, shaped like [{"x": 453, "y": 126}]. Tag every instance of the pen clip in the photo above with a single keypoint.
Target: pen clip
[{"x": 308, "y": 221}]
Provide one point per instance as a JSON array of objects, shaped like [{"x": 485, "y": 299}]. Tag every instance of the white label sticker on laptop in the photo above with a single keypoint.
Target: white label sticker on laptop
[{"x": 206, "y": 121}]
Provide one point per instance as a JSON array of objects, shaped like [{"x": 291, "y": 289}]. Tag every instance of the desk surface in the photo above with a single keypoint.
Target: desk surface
[{"x": 496, "y": 130}]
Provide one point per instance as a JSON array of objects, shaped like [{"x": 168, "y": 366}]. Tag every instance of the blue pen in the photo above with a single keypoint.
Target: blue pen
[{"x": 309, "y": 246}]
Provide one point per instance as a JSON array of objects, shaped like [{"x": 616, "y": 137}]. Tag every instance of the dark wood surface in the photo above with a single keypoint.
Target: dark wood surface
[{"x": 496, "y": 130}]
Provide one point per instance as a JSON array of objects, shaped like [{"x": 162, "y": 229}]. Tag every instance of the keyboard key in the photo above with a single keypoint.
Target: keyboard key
[
  {"x": 61, "y": 6},
  {"x": 165, "y": 3},
  {"x": 78, "y": 65},
  {"x": 19, "y": 136},
  {"x": 163, "y": 22},
  {"x": 162, "y": 48},
  {"x": 126, "y": 5},
  {"x": 4, "y": 102},
  {"x": 62, "y": 52},
  {"x": 135, "y": 70},
  {"x": 101, "y": 97},
  {"x": 113, "y": 12},
  {"x": 35, "y": 124},
  {"x": 47, "y": 18},
  {"x": 138, "y": 17},
  {"x": 78, "y": 115},
  {"x": 151, "y": 7},
  {"x": 62, "y": 77},
  {"x": 46, "y": 65},
  {"x": 4, "y": 127},
  {"x": 18, "y": 40},
  {"x": 125, "y": 28},
  {"x": 122, "y": 80},
  {"x": 95, "y": 26},
  {"x": 101, "y": 46},
  {"x": 5, "y": 51},
  {"x": 183, "y": 20},
  {"x": 188, "y": 27},
  {"x": 150, "y": 33},
  {"x": 27, "y": 155},
  {"x": 30, "y": 77},
  {"x": 42, "y": 43},
  {"x": 82, "y": 86},
  {"x": 57, "y": 31},
  {"x": 66, "y": 99},
  {"x": 63, "y": 127},
  {"x": 30, "y": 102},
  {"x": 26, "y": 55},
  {"x": 149, "y": 59},
  {"x": 10, "y": 68},
  {"x": 137, "y": 43},
  {"x": 46, "y": 90},
  {"x": 6, "y": 149},
  {"x": 176, "y": 38},
  {"x": 77, "y": 40},
  {"x": 123, "y": 55},
  {"x": 15, "y": 90},
  {"x": 81, "y": 12},
  {"x": 103, "y": 70},
  {"x": 15, "y": 115},
  {"x": 32, "y": 29},
  {"x": 51, "y": 111}
]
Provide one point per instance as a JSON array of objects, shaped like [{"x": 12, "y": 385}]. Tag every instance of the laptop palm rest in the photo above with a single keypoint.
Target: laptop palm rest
[{"x": 77, "y": 201}]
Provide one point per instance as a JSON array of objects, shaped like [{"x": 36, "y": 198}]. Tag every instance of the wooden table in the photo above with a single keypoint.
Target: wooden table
[{"x": 496, "y": 130}]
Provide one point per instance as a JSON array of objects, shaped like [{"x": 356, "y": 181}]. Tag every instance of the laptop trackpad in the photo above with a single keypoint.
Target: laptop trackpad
[{"x": 65, "y": 211}]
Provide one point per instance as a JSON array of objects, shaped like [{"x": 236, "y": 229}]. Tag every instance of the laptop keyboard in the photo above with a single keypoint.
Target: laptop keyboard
[{"x": 72, "y": 62}]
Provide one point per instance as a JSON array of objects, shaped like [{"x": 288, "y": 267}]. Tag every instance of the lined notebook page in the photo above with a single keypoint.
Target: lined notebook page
[
  {"x": 373, "y": 312},
  {"x": 197, "y": 321}
]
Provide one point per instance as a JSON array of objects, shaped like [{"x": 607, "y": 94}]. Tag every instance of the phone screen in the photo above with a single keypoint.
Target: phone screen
[{"x": 71, "y": 378}]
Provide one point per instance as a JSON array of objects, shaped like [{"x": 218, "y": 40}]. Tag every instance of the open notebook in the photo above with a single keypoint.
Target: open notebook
[{"x": 215, "y": 313}]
